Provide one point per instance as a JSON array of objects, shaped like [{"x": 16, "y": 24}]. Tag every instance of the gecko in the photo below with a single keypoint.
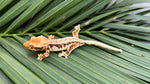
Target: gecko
[{"x": 68, "y": 44}]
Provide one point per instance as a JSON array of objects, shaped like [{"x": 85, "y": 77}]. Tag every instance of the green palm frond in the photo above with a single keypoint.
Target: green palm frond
[{"x": 107, "y": 21}]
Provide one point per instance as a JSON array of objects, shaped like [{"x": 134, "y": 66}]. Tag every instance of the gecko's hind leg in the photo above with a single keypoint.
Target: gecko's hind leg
[
  {"x": 69, "y": 50},
  {"x": 76, "y": 31},
  {"x": 61, "y": 54}
]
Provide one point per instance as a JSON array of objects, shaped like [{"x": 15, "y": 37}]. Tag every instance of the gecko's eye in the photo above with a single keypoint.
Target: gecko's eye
[{"x": 32, "y": 46}]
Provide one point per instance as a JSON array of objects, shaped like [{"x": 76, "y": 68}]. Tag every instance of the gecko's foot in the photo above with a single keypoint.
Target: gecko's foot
[
  {"x": 66, "y": 57},
  {"x": 77, "y": 27},
  {"x": 51, "y": 37},
  {"x": 59, "y": 55},
  {"x": 63, "y": 54},
  {"x": 41, "y": 56}
]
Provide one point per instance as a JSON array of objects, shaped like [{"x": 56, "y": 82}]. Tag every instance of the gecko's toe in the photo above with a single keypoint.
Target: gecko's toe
[
  {"x": 60, "y": 55},
  {"x": 66, "y": 57},
  {"x": 40, "y": 57},
  {"x": 77, "y": 27}
]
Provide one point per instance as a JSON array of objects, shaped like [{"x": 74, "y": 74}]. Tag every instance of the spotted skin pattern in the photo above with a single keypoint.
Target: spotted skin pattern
[{"x": 42, "y": 43}]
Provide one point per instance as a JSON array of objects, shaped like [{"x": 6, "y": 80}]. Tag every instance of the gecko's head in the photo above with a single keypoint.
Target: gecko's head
[{"x": 36, "y": 43}]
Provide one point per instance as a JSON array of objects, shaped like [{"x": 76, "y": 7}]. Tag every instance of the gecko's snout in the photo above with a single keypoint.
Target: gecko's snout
[{"x": 26, "y": 45}]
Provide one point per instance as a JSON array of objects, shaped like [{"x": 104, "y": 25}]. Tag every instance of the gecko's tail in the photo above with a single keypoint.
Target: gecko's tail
[{"x": 100, "y": 44}]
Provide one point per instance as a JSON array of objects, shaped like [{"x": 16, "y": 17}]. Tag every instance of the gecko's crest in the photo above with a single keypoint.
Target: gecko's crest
[{"x": 35, "y": 43}]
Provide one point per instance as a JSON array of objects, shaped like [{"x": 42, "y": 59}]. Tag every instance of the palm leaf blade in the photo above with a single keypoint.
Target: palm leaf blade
[
  {"x": 107, "y": 21},
  {"x": 13, "y": 12}
]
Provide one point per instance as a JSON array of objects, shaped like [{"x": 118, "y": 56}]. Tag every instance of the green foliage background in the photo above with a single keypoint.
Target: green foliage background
[{"x": 107, "y": 21}]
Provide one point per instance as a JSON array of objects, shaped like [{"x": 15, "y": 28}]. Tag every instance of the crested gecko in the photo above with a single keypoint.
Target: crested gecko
[{"x": 49, "y": 44}]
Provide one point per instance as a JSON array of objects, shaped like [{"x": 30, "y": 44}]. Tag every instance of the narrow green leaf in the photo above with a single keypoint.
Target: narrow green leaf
[
  {"x": 140, "y": 36},
  {"x": 14, "y": 11},
  {"x": 99, "y": 6},
  {"x": 128, "y": 41},
  {"x": 49, "y": 15},
  {"x": 108, "y": 13},
  {"x": 137, "y": 17},
  {"x": 66, "y": 15},
  {"x": 10, "y": 72},
  {"x": 127, "y": 27},
  {"x": 4, "y": 78},
  {"x": 4, "y": 3},
  {"x": 25, "y": 73},
  {"x": 28, "y": 13},
  {"x": 109, "y": 19},
  {"x": 120, "y": 3}
]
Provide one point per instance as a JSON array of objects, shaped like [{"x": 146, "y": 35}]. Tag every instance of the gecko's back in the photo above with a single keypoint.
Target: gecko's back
[{"x": 62, "y": 44}]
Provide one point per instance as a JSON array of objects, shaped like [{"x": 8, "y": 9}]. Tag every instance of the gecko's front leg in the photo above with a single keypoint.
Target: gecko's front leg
[{"x": 42, "y": 56}]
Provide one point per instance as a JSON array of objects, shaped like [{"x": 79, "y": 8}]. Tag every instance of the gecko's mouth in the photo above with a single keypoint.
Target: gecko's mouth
[
  {"x": 32, "y": 47},
  {"x": 26, "y": 45}
]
